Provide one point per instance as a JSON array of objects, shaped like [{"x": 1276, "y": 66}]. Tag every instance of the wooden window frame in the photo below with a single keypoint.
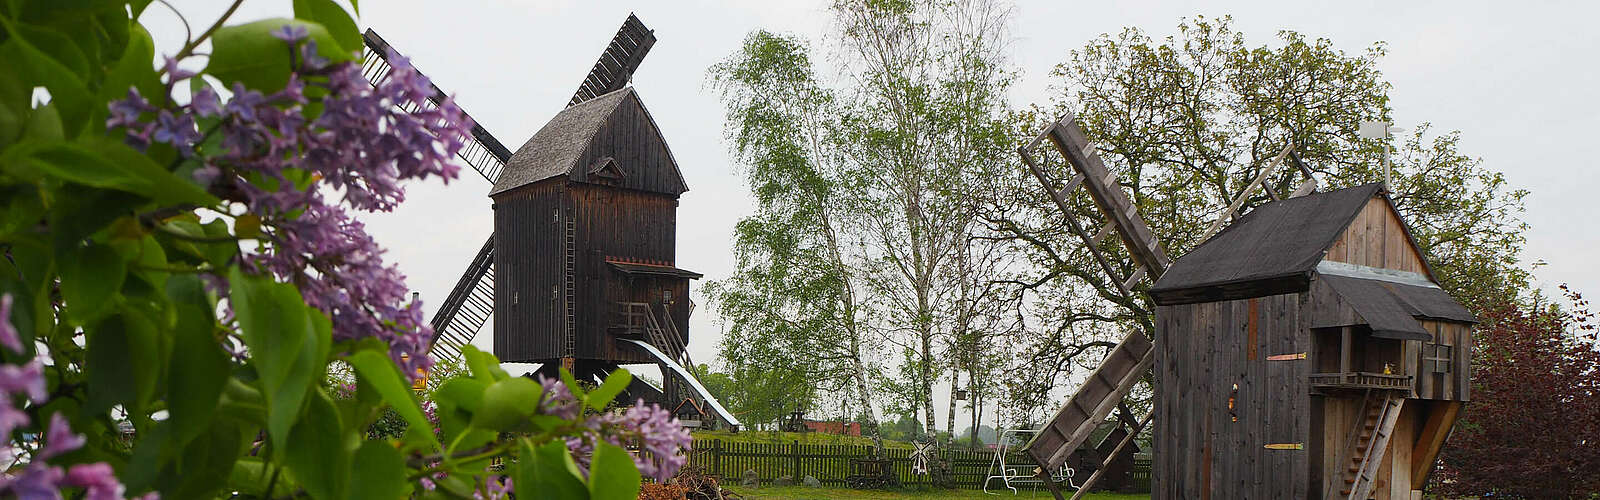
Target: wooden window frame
[{"x": 1438, "y": 358}]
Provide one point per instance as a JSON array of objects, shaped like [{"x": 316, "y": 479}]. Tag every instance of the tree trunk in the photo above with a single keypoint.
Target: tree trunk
[
  {"x": 950, "y": 420},
  {"x": 864, "y": 398}
]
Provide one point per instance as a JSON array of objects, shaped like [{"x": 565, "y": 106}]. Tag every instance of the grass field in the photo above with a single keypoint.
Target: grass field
[{"x": 804, "y": 493}]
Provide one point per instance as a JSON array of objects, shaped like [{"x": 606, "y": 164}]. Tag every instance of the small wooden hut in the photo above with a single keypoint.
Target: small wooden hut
[{"x": 1306, "y": 351}]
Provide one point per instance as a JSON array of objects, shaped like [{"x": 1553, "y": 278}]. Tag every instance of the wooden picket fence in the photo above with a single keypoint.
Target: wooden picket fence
[{"x": 830, "y": 463}]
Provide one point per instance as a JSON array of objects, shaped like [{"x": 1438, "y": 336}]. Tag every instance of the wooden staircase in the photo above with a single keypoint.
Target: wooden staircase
[{"x": 1368, "y": 441}]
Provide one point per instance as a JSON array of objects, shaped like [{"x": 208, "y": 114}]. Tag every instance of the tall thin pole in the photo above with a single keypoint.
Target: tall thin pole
[{"x": 1388, "y": 178}]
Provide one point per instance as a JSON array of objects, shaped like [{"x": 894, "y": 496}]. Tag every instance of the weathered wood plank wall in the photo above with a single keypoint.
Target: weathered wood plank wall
[
  {"x": 1377, "y": 238},
  {"x": 1204, "y": 448}
]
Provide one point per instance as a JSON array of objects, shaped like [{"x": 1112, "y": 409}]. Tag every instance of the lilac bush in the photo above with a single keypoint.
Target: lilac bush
[{"x": 297, "y": 177}]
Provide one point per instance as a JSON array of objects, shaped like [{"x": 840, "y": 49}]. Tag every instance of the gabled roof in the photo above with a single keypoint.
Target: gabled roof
[
  {"x": 1273, "y": 249},
  {"x": 563, "y": 146}
]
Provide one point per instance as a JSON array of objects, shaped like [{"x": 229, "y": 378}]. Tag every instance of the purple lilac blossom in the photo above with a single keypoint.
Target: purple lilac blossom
[
  {"x": 558, "y": 400},
  {"x": 300, "y": 178},
  {"x": 59, "y": 438},
  {"x": 662, "y": 441}
]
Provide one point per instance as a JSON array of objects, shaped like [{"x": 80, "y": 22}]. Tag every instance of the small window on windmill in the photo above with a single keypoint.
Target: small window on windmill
[
  {"x": 605, "y": 169},
  {"x": 1436, "y": 358},
  {"x": 666, "y": 296}
]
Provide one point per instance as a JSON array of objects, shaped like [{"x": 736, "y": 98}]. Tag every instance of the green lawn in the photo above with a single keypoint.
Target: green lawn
[{"x": 804, "y": 493}]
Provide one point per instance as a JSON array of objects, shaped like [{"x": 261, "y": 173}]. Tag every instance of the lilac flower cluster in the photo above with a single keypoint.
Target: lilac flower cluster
[
  {"x": 663, "y": 443},
  {"x": 284, "y": 167},
  {"x": 36, "y": 479}
]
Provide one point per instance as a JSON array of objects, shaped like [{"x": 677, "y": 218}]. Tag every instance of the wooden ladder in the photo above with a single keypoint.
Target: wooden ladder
[
  {"x": 1366, "y": 452},
  {"x": 568, "y": 286}
]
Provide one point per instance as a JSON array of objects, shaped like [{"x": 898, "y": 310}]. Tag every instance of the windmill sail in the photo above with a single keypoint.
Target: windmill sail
[
  {"x": 471, "y": 303},
  {"x": 482, "y": 151},
  {"x": 617, "y": 64}
]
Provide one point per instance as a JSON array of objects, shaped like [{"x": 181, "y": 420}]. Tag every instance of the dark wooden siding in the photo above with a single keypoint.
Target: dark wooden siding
[
  {"x": 1456, "y": 384},
  {"x": 631, "y": 137},
  {"x": 528, "y": 233},
  {"x": 1200, "y": 451},
  {"x": 625, "y": 224}
]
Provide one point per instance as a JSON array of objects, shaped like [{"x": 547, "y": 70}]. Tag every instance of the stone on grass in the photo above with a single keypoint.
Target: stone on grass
[
  {"x": 812, "y": 482},
  {"x": 751, "y": 479}
]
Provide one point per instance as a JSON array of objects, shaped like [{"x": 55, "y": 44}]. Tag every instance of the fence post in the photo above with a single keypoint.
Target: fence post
[
  {"x": 795, "y": 452},
  {"x": 716, "y": 457}
]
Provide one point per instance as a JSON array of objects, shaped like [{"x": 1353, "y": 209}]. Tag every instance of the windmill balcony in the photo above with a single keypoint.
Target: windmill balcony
[{"x": 1360, "y": 380}]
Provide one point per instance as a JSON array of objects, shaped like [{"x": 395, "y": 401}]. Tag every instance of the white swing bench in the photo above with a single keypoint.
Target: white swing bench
[{"x": 1014, "y": 475}]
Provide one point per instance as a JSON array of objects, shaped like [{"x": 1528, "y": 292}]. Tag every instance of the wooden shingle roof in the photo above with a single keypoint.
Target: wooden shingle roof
[
  {"x": 586, "y": 136},
  {"x": 1273, "y": 249}
]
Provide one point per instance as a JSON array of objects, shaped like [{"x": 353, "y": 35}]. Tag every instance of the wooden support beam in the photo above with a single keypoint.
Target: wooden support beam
[
  {"x": 1431, "y": 440},
  {"x": 1103, "y": 233},
  {"x": 1050, "y": 483},
  {"x": 1305, "y": 188},
  {"x": 1133, "y": 279}
]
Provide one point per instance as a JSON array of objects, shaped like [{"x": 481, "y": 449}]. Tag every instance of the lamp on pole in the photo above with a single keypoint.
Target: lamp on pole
[{"x": 1380, "y": 130}]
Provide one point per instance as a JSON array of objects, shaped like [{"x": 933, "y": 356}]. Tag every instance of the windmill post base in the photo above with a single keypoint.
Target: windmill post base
[{"x": 1049, "y": 482}]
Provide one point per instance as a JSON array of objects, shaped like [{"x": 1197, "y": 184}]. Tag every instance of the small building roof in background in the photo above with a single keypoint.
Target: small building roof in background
[{"x": 1271, "y": 250}]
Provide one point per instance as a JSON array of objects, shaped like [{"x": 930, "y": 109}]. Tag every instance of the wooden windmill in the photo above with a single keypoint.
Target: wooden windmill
[
  {"x": 580, "y": 272},
  {"x": 1303, "y": 352}
]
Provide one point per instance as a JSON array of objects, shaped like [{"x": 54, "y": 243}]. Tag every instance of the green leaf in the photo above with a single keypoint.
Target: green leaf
[
  {"x": 288, "y": 344},
  {"x": 612, "y": 474},
  {"x": 377, "y": 369},
  {"x": 547, "y": 472},
  {"x": 103, "y": 163},
  {"x": 483, "y": 365},
  {"x": 333, "y": 17},
  {"x": 378, "y": 473},
  {"x": 90, "y": 279},
  {"x": 204, "y": 467},
  {"x": 507, "y": 404},
  {"x": 123, "y": 362},
  {"x": 319, "y": 455},
  {"x": 199, "y": 367},
  {"x": 67, "y": 92},
  {"x": 608, "y": 391},
  {"x": 458, "y": 399},
  {"x": 249, "y": 54}
]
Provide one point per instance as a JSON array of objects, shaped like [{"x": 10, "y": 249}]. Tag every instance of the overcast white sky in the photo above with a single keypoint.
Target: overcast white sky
[{"x": 1518, "y": 82}]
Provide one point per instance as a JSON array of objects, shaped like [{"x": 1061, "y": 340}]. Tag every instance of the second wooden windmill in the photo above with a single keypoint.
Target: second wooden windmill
[
  {"x": 580, "y": 272},
  {"x": 1303, "y": 351}
]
